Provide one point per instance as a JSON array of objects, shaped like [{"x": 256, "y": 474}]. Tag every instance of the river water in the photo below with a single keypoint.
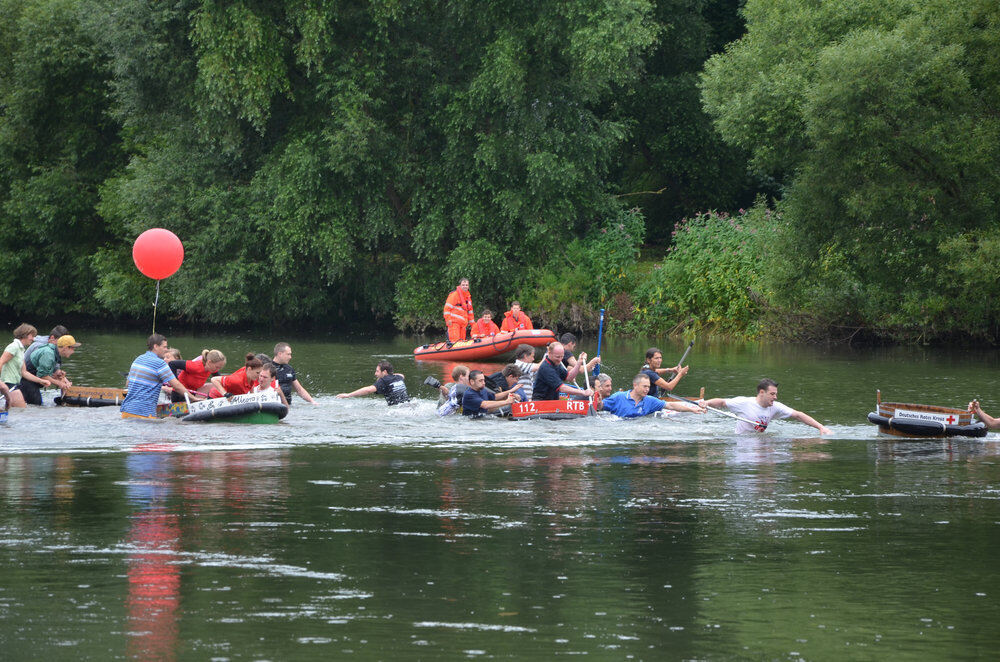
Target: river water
[{"x": 354, "y": 530}]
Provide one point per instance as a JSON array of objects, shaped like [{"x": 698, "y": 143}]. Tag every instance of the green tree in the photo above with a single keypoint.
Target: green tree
[
  {"x": 316, "y": 154},
  {"x": 57, "y": 144},
  {"x": 675, "y": 163},
  {"x": 880, "y": 121}
]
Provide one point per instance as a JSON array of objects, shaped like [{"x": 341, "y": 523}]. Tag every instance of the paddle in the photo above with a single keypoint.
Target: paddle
[
  {"x": 685, "y": 355},
  {"x": 755, "y": 424},
  {"x": 600, "y": 332}
]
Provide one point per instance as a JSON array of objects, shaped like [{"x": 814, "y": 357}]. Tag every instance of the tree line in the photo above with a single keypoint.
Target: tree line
[{"x": 783, "y": 167}]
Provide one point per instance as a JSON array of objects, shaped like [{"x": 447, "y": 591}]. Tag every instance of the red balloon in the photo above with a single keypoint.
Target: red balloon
[{"x": 158, "y": 253}]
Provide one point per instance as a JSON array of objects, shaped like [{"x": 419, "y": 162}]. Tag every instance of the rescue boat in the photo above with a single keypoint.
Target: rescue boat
[
  {"x": 90, "y": 396},
  {"x": 483, "y": 348},
  {"x": 912, "y": 420}
]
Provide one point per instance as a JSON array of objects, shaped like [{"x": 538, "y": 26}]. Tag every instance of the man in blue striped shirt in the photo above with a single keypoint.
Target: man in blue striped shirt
[{"x": 146, "y": 377}]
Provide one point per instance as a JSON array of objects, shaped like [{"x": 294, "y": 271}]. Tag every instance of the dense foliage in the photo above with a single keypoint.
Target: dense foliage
[
  {"x": 346, "y": 162},
  {"x": 880, "y": 120}
]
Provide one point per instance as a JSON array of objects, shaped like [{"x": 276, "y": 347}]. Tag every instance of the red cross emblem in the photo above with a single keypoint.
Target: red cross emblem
[{"x": 950, "y": 419}]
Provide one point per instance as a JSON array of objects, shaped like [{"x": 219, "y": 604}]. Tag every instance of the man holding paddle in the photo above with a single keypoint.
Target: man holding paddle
[{"x": 755, "y": 413}]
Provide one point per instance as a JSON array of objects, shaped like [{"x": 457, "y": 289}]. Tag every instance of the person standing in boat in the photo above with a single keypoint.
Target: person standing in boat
[
  {"x": 147, "y": 375},
  {"x": 485, "y": 326},
  {"x": 652, "y": 369},
  {"x": 763, "y": 409},
  {"x": 458, "y": 315},
  {"x": 991, "y": 423},
  {"x": 286, "y": 374},
  {"x": 552, "y": 374},
  {"x": 515, "y": 320},
  {"x": 387, "y": 383},
  {"x": 637, "y": 402}
]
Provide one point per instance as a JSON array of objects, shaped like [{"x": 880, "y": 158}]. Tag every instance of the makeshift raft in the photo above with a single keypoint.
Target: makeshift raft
[
  {"x": 90, "y": 396},
  {"x": 485, "y": 347},
  {"x": 923, "y": 421}
]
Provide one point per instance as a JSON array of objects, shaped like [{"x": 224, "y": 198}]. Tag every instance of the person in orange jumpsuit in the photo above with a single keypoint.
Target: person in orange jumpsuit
[
  {"x": 458, "y": 313},
  {"x": 485, "y": 326},
  {"x": 514, "y": 319}
]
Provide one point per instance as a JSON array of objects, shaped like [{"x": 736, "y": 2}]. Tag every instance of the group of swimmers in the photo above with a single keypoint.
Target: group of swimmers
[
  {"x": 161, "y": 369},
  {"x": 32, "y": 362},
  {"x": 473, "y": 393}
]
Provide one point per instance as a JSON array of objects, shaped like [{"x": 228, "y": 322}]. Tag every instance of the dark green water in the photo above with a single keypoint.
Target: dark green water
[{"x": 355, "y": 530}]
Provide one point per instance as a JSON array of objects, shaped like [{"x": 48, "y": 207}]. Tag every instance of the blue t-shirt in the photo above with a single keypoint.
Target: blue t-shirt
[
  {"x": 148, "y": 373},
  {"x": 472, "y": 401},
  {"x": 548, "y": 379},
  {"x": 622, "y": 405}
]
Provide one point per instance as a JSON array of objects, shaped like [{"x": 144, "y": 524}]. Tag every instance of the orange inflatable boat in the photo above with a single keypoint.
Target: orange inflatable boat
[{"x": 483, "y": 348}]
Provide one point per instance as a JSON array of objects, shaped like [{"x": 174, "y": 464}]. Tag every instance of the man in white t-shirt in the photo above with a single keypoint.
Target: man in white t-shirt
[{"x": 763, "y": 409}]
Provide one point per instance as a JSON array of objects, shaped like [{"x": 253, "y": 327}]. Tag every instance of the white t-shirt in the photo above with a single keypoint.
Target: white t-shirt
[{"x": 748, "y": 408}]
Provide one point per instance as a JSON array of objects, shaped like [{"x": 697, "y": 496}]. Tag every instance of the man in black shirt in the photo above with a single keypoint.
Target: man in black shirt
[
  {"x": 551, "y": 375},
  {"x": 477, "y": 401},
  {"x": 387, "y": 383},
  {"x": 287, "y": 379}
]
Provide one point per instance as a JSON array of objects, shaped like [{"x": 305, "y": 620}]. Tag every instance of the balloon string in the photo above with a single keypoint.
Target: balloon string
[{"x": 156, "y": 301}]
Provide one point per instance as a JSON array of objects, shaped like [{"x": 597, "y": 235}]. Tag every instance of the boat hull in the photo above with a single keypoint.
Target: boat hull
[
  {"x": 918, "y": 421},
  {"x": 483, "y": 348},
  {"x": 250, "y": 408},
  {"x": 90, "y": 396},
  {"x": 550, "y": 409}
]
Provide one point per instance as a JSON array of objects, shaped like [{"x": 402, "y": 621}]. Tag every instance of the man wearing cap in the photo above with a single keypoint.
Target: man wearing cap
[{"x": 46, "y": 362}]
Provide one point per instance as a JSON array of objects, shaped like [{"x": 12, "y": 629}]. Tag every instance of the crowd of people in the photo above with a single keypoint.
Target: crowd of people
[{"x": 32, "y": 362}]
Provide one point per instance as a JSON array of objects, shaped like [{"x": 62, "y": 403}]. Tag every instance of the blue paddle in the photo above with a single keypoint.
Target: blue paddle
[{"x": 600, "y": 332}]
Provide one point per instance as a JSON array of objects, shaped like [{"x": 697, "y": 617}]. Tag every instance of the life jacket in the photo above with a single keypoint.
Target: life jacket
[
  {"x": 482, "y": 327},
  {"x": 458, "y": 308},
  {"x": 517, "y": 322}
]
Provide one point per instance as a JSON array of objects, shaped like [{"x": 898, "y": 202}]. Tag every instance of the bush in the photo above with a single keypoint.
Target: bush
[{"x": 711, "y": 277}]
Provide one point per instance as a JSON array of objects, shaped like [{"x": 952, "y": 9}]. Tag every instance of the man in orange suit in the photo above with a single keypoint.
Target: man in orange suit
[
  {"x": 514, "y": 319},
  {"x": 458, "y": 313}
]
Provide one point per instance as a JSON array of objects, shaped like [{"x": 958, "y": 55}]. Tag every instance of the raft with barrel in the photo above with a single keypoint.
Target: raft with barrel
[
  {"x": 90, "y": 396},
  {"x": 485, "y": 347},
  {"x": 923, "y": 421}
]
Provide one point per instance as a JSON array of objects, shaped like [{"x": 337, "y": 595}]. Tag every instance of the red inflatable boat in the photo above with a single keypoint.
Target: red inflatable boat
[
  {"x": 551, "y": 409},
  {"x": 483, "y": 348}
]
